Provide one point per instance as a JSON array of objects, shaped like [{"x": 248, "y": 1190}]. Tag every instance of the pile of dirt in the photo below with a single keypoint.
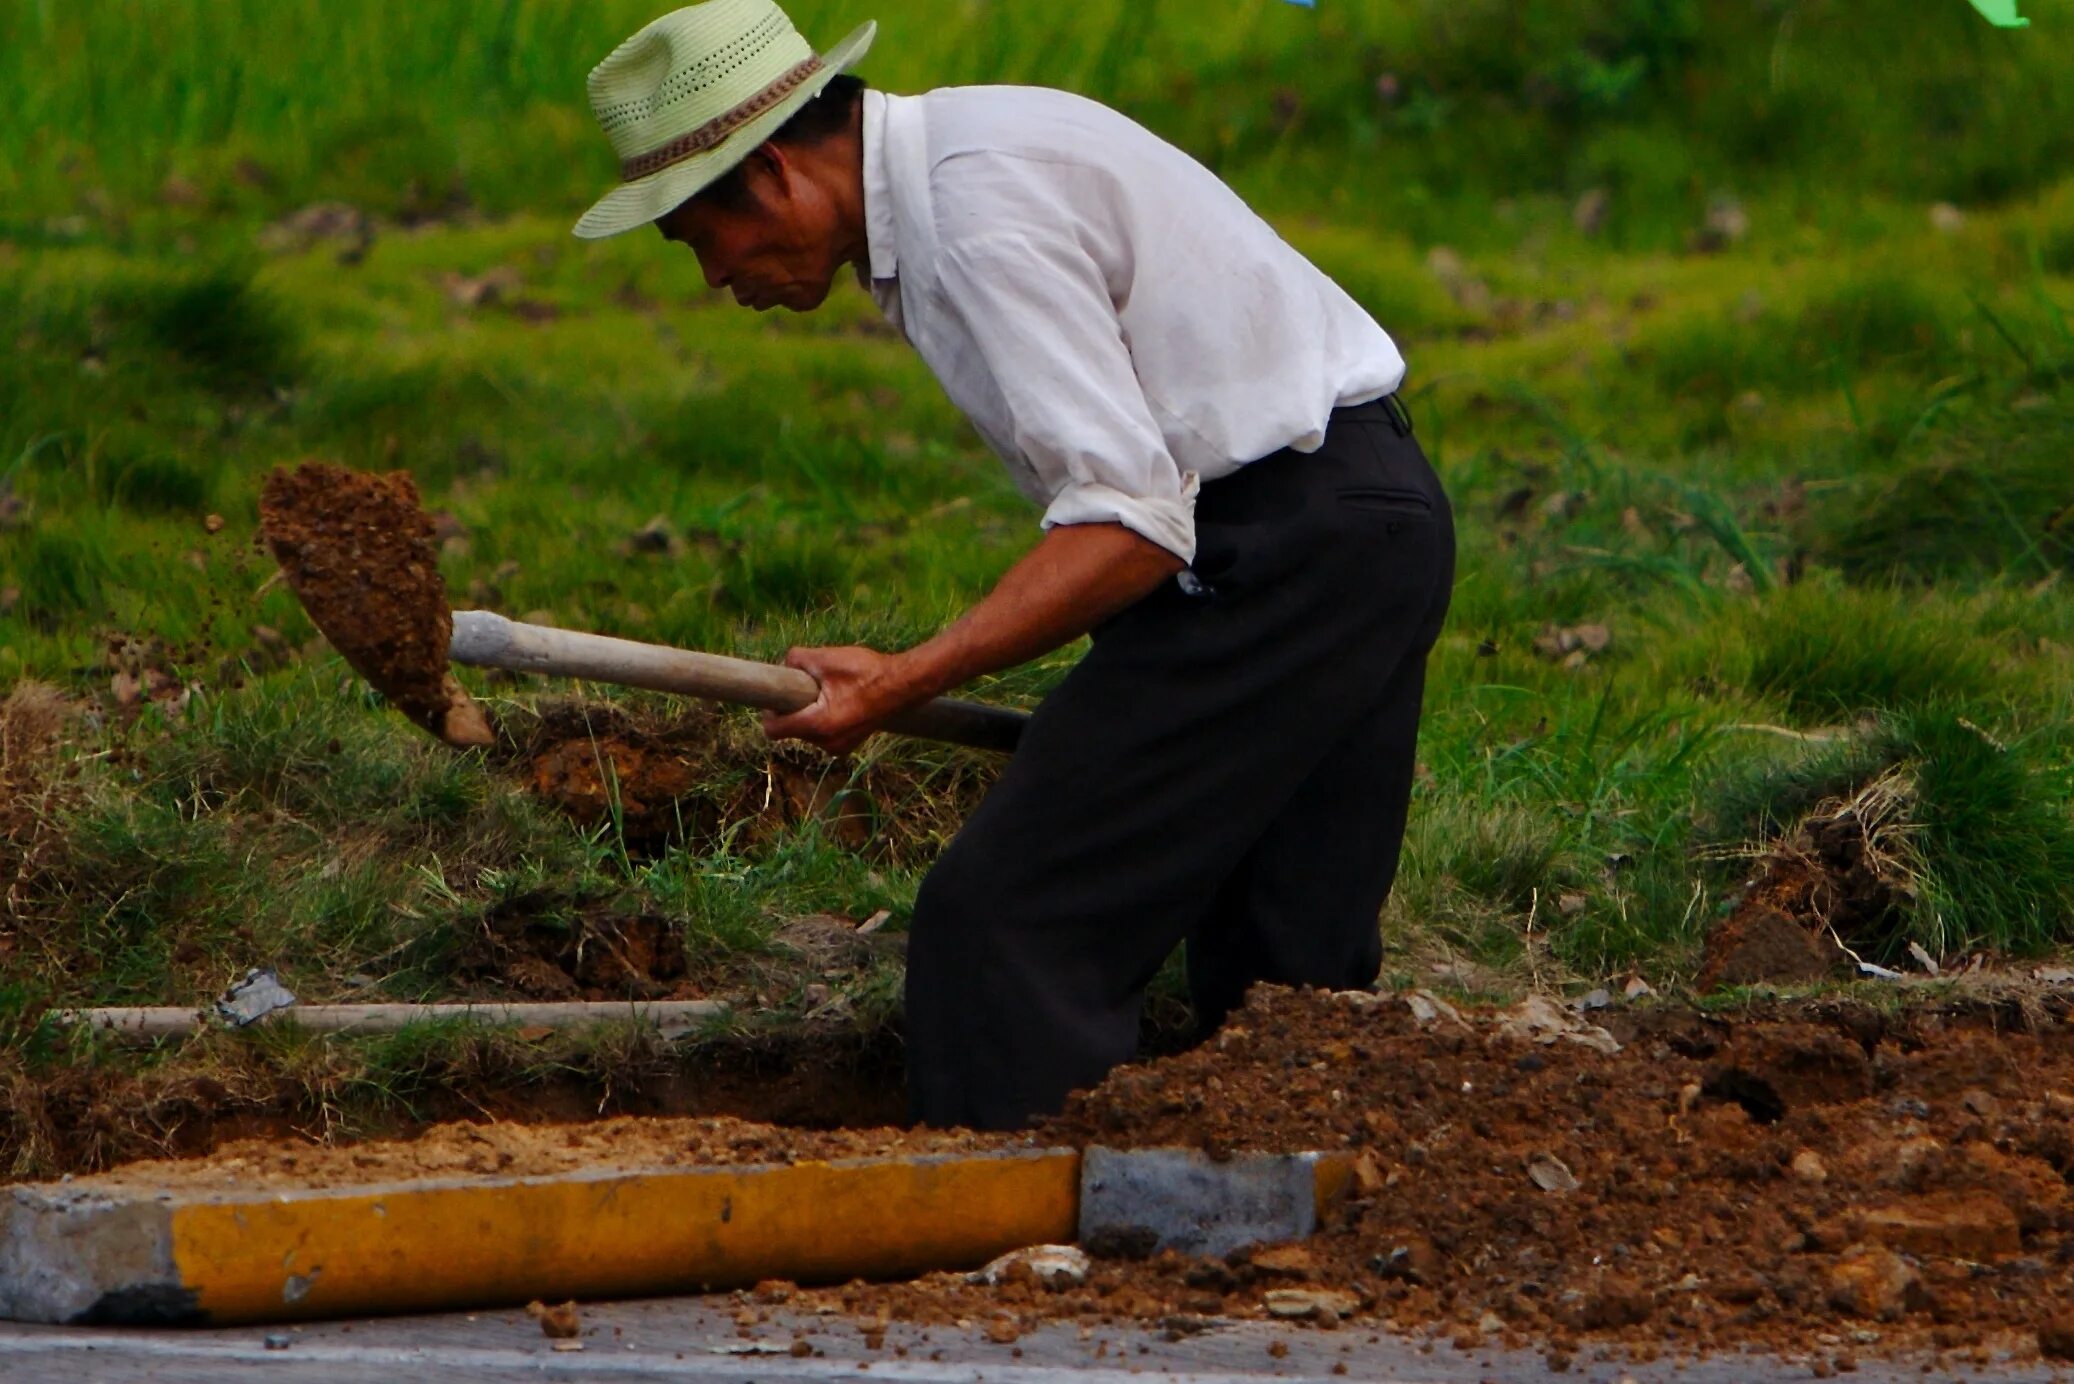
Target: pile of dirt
[
  {"x": 361, "y": 555},
  {"x": 1839, "y": 885},
  {"x": 688, "y": 780},
  {"x": 596, "y": 765},
  {"x": 517, "y": 1150},
  {"x": 1890, "y": 1180},
  {"x": 538, "y": 946}
]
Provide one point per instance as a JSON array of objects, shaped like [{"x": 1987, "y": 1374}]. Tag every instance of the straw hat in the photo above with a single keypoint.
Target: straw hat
[{"x": 690, "y": 96}]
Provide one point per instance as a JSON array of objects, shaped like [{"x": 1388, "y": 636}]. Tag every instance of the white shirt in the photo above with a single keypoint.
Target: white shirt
[{"x": 1117, "y": 324}]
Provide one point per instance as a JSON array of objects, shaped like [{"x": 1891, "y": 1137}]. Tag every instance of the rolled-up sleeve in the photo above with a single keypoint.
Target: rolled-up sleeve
[{"x": 1038, "y": 310}]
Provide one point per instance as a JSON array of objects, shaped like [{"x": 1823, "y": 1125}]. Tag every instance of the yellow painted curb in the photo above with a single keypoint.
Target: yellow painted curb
[
  {"x": 78, "y": 1254},
  {"x": 616, "y": 1236},
  {"x": 87, "y": 1252}
]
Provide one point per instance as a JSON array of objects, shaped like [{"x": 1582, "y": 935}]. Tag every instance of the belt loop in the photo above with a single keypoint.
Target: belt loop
[{"x": 1400, "y": 416}]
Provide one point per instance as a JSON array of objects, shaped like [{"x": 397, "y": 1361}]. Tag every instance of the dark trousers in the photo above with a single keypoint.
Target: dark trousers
[{"x": 1229, "y": 768}]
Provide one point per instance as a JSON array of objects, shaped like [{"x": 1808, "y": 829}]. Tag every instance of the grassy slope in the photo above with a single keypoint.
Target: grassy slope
[{"x": 1805, "y": 481}]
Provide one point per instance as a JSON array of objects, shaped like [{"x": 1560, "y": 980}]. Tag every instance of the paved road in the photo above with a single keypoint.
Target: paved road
[{"x": 679, "y": 1340}]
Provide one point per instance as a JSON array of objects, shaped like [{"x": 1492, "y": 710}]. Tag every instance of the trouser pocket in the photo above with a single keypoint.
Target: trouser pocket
[{"x": 1400, "y": 501}]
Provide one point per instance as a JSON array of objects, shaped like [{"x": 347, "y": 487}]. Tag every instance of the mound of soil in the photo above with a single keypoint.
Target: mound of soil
[
  {"x": 593, "y": 764},
  {"x": 535, "y": 944},
  {"x": 1713, "y": 1181},
  {"x": 360, "y": 554},
  {"x": 682, "y": 780},
  {"x": 1759, "y": 945},
  {"x": 1839, "y": 880}
]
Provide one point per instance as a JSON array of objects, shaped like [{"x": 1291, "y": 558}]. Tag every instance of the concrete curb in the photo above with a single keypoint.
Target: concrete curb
[{"x": 93, "y": 1254}]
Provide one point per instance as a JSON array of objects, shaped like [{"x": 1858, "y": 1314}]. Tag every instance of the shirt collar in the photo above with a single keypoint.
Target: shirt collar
[{"x": 878, "y": 190}]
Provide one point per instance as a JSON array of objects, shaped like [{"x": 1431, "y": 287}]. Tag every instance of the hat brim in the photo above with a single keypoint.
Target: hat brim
[{"x": 644, "y": 200}]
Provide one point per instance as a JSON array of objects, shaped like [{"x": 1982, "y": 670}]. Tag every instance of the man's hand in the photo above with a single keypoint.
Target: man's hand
[
  {"x": 860, "y": 688},
  {"x": 1077, "y": 576}
]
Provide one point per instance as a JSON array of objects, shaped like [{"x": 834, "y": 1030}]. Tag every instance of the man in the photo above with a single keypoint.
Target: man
[{"x": 1234, "y": 508}]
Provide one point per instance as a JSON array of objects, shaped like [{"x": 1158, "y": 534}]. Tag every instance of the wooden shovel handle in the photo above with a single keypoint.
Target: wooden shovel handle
[{"x": 483, "y": 639}]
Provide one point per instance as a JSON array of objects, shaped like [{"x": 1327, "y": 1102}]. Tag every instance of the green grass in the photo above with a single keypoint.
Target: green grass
[{"x": 1815, "y": 483}]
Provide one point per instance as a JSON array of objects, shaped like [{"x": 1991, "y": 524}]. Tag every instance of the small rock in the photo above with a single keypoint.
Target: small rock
[
  {"x": 278, "y": 1340},
  {"x": 1809, "y": 1167},
  {"x": 482, "y": 291},
  {"x": 213, "y": 524},
  {"x": 1726, "y": 224},
  {"x": 1426, "y": 1007},
  {"x": 1551, "y": 1174},
  {"x": 1299, "y": 1304},
  {"x": 1053, "y": 1266},
  {"x": 1873, "y": 1282},
  {"x": 1558, "y": 642},
  {"x": 556, "y": 1323},
  {"x": 1413, "y": 1259},
  {"x": 1570, "y": 905},
  {"x": 1003, "y": 1331},
  {"x": 1285, "y": 1261},
  {"x": 1978, "y": 1228},
  {"x": 1540, "y": 1020},
  {"x": 1947, "y": 219},
  {"x": 1636, "y": 988},
  {"x": 655, "y": 536},
  {"x": 1618, "y": 1302}
]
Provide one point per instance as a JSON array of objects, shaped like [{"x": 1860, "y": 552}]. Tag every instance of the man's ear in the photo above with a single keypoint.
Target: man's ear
[{"x": 768, "y": 170}]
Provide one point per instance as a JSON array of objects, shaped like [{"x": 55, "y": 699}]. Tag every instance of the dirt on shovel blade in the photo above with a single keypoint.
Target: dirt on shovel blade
[{"x": 358, "y": 550}]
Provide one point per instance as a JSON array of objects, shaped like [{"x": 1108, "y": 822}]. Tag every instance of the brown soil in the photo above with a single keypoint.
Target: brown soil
[
  {"x": 1839, "y": 880},
  {"x": 1760, "y": 945},
  {"x": 1767, "y": 1180},
  {"x": 687, "y": 778},
  {"x": 360, "y": 553},
  {"x": 1804, "y": 1173},
  {"x": 517, "y": 1150},
  {"x": 85, "y": 1119},
  {"x": 534, "y": 945}
]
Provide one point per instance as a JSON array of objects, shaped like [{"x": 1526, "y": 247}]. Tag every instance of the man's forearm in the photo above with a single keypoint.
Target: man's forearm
[{"x": 1076, "y": 577}]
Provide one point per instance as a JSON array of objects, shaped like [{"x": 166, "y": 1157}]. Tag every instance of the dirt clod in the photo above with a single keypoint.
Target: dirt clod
[
  {"x": 1873, "y": 1282},
  {"x": 559, "y": 1323},
  {"x": 1760, "y": 945},
  {"x": 361, "y": 554}
]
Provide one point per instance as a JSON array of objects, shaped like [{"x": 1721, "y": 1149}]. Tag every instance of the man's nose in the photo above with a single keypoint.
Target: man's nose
[{"x": 716, "y": 273}]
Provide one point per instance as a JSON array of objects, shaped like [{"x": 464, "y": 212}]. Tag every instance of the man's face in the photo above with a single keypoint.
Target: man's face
[{"x": 773, "y": 241}]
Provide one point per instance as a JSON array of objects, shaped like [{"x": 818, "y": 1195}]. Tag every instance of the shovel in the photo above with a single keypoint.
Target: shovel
[
  {"x": 483, "y": 639},
  {"x": 358, "y": 550}
]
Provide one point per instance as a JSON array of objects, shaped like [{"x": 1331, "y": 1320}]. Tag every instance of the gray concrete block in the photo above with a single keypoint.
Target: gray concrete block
[
  {"x": 1145, "y": 1200},
  {"x": 76, "y": 1257}
]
